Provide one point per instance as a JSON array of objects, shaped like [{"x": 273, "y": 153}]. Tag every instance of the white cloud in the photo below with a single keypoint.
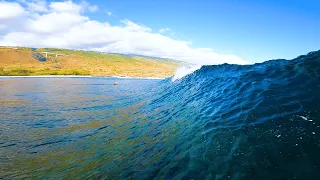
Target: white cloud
[
  {"x": 90, "y": 7},
  {"x": 36, "y": 5},
  {"x": 65, "y": 6},
  {"x": 93, "y": 8},
  {"x": 133, "y": 27},
  {"x": 54, "y": 22},
  {"x": 3, "y": 26},
  {"x": 109, "y": 13},
  {"x": 10, "y": 10},
  {"x": 163, "y": 30},
  {"x": 63, "y": 25}
]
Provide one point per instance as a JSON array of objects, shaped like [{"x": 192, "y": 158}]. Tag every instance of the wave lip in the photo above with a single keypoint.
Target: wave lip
[{"x": 184, "y": 71}]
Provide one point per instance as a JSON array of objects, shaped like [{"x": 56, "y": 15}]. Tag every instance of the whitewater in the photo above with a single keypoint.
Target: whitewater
[{"x": 184, "y": 71}]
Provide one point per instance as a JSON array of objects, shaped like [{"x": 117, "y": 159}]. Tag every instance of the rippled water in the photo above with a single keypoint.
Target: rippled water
[
  {"x": 220, "y": 122},
  {"x": 71, "y": 127}
]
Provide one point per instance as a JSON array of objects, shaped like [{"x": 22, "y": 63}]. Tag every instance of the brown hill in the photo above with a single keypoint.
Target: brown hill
[{"x": 25, "y": 61}]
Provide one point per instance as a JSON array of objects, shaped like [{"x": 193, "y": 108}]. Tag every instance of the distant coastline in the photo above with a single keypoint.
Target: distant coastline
[
  {"x": 52, "y": 62},
  {"x": 137, "y": 77},
  {"x": 80, "y": 76},
  {"x": 45, "y": 76}
]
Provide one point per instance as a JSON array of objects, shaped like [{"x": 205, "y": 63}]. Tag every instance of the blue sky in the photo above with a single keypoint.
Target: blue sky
[
  {"x": 253, "y": 30},
  {"x": 200, "y": 32}
]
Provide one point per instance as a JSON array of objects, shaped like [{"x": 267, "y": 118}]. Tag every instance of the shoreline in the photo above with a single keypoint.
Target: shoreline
[
  {"x": 125, "y": 77},
  {"x": 79, "y": 76}
]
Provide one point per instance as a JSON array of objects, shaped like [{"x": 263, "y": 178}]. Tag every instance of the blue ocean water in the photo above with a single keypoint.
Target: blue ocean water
[{"x": 257, "y": 121}]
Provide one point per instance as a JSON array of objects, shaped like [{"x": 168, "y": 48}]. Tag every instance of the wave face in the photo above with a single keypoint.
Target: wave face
[
  {"x": 225, "y": 121},
  {"x": 247, "y": 122}
]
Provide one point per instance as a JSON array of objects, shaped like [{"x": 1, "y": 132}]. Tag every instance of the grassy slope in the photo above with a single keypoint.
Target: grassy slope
[{"x": 22, "y": 62}]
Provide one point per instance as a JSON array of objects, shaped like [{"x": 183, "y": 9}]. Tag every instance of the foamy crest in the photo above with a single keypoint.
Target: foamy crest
[{"x": 185, "y": 70}]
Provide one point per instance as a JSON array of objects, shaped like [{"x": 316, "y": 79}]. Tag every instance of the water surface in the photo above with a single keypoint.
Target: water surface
[{"x": 220, "y": 122}]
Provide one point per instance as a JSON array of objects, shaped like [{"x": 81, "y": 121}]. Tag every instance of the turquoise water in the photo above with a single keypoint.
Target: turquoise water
[{"x": 220, "y": 122}]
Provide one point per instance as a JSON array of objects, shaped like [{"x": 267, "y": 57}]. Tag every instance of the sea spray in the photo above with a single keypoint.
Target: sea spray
[{"x": 184, "y": 71}]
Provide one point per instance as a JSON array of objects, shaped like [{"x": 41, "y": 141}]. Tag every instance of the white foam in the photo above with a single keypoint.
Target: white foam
[{"x": 185, "y": 70}]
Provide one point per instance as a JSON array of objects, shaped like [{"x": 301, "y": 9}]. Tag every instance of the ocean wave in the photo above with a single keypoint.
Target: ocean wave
[{"x": 244, "y": 121}]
